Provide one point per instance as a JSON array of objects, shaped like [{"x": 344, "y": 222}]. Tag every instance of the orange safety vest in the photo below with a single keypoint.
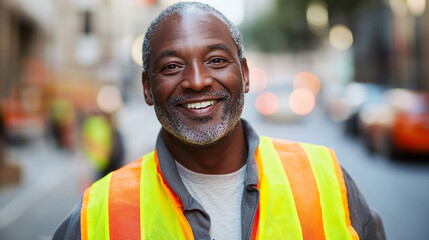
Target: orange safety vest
[{"x": 302, "y": 196}]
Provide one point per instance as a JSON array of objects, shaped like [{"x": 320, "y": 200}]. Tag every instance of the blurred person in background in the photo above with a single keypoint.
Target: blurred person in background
[
  {"x": 211, "y": 176},
  {"x": 102, "y": 143},
  {"x": 101, "y": 138},
  {"x": 63, "y": 123},
  {"x": 10, "y": 173}
]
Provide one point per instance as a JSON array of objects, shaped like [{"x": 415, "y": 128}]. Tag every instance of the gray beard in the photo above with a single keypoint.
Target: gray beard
[{"x": 208, "y": 135}]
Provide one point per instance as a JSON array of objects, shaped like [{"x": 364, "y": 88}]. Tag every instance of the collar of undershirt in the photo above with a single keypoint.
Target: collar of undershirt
[
  {"x": 197, "y": 177},
  {"x": 169, "y": 169}
]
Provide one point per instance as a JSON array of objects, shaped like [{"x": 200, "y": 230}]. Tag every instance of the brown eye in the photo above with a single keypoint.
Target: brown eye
[
  {"x": 217, "y": 60},
  {"x": 171, "y": 67}
]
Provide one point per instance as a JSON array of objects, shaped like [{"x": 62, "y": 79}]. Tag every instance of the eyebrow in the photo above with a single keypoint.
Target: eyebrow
[
  {"x": 220, "y": 46},
  {"x": 166, "y": 53}
]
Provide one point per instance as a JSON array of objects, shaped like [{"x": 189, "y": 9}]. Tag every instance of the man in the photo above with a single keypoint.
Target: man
[{"x": 211, "y": 176}]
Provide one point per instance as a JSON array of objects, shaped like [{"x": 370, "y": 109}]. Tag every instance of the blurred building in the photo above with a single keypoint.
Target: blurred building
[
  {"x": 56, "y": 53},
  {"x": 390, "y": 44},
  {"x": 21, "y": 34},
  {"x": 71, "y": 38}
]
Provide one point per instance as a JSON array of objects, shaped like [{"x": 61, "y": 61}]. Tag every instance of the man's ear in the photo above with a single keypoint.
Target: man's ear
[
  {"x": 146, "y": 89},
  {"x": 246, "y": 77}
]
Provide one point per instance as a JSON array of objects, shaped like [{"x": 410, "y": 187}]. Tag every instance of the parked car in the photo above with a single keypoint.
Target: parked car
[
  {"x": 399, "y": 124},
  {"x": 350, "y": 100},
  {"x": 285, "y": 104},
  {"x": 273, "y": 105}
]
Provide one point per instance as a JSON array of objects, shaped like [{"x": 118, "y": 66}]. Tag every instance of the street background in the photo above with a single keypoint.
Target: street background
[{"x": 320, "y": 72}]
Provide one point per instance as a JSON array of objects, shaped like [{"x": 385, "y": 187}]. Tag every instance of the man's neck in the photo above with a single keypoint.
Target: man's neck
[{"x": 225, "y": 156}]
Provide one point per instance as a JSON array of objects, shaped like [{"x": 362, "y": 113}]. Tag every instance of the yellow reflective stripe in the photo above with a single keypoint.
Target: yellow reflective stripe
[
  {"x": 278, "y": 216},
  {"x": 158, "y": 216},
  {"x": 333, "y": 215},
  {"x": 98, "y": 210}
]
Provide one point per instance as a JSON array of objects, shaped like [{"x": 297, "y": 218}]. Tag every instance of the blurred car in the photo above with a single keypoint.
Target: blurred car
[
  {"x": 349, "y": 101},
  {"x": 400, "y": 124},
  {"x": 285, "y": 104}
]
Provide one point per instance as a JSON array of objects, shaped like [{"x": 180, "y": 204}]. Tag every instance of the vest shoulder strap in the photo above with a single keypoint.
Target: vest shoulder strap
[
  {"x": 111, "y": 200},
  {"x": 311, "y": 178},
  {"x": 133, "y": 202}
]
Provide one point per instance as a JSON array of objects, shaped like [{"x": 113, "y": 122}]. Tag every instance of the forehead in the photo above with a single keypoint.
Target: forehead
[{"x": 191, "y": 29}]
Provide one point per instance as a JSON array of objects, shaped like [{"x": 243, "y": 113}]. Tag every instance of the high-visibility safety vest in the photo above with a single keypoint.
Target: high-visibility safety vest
[{"x": 302, "y": 196}]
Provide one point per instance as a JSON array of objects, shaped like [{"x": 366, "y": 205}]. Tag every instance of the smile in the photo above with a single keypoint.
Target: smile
[{"x": 200, "y": 105}]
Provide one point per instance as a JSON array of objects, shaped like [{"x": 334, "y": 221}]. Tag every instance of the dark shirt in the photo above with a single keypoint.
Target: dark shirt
[{"x": 366, "y": 222}]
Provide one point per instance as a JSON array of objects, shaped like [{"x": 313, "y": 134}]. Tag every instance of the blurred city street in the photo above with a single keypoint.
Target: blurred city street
[
  {"x": 349, "y": 75},
  {"x": 53, "y": 180}
]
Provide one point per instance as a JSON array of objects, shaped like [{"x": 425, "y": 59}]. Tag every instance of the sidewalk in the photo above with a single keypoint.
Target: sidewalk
[
  {"x": 53, "y": 181},
  {"x": 51, "y": 184}
]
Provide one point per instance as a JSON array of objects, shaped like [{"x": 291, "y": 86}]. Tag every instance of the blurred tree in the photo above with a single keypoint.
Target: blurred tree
[
  {"x": 284, "y": 28},
  {"x": 280, "y": 29}
]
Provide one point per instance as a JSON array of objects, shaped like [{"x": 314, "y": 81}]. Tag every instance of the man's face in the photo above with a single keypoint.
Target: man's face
[{"x": 195, "y": 79}]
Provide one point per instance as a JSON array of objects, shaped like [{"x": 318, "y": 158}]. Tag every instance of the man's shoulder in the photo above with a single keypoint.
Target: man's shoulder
[
  {"x": 121, "y": 180},
  {"x": 281, "y": 141},
  {"x": 69, "y": 229},
  {"x": 294, "y": 146},
  {"x": 289, "y": 142},
  {"x": 134, "y": 165}
]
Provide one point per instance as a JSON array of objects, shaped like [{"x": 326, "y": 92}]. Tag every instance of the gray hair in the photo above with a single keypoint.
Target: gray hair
[{"x": 180, "y": 8}]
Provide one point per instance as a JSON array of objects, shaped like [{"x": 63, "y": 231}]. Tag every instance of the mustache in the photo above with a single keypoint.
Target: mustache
[{"x": 173, "y": 101}]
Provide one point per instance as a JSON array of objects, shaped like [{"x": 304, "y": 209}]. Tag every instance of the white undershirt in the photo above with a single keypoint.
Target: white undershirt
[{"x": 220, "y": 195}]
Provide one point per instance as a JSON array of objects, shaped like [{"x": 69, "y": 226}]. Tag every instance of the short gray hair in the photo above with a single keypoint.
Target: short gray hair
[{"x": 180, "y": 8}]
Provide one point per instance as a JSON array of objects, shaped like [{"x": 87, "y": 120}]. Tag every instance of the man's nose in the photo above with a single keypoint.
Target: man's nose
[{"x": 197, "y": 77}]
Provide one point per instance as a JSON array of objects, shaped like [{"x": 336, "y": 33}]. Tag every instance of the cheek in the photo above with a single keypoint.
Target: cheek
[
  {"x": 163, "y": 89},
  {"x": 231, "y": 79}
]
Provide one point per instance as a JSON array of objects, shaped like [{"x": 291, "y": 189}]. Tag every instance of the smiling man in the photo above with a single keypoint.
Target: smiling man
[{"x": 211, "y": 176}]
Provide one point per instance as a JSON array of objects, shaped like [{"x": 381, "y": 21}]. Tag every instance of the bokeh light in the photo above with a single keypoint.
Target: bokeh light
[
  {"x": 416, "y": 7},
  {"x": 402, "y": 99},
  {"x": 258, "y": 79},
  {"x": 109, "y": 99},
  {"x": 355, "y": 94},
  {"x": 340, "y": 37},
  {"x": 308, "y": 81},
  {"x": 266, "y": 103},
  {"x": 317, "y": 15},
  {"x": 376, "y": 113},
  {"x": 136, "y": 50},
  {"x": 302, "y": 101},
  {"x": 399, "y": 7}
]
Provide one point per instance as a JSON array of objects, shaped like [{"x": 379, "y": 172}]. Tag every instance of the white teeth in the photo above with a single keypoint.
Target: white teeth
[{"x": 199, "y": 105}]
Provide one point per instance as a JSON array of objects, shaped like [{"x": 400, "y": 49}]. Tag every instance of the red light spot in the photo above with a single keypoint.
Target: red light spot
[
  {"x": 267, "y": 103},
  {"x": 302, "y": 101},
  {"x": 308, "y": 81}
]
